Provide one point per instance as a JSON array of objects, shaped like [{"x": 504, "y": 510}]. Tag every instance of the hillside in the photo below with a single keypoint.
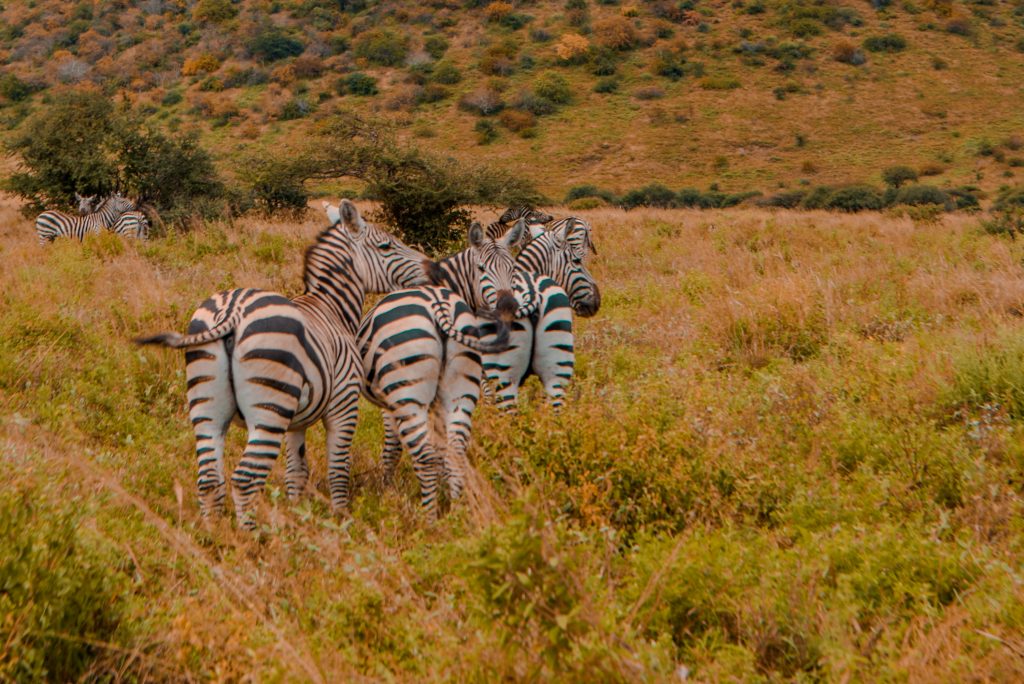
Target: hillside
[
  {"x": 749, "y": 95},
  {"x": 792, "y": 452}
]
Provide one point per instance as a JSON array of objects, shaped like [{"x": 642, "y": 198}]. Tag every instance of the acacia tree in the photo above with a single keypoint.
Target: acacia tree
[{"x": 421, "y": 195}]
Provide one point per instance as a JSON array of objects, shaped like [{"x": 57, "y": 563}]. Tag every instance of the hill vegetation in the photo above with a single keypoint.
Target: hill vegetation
[
  {"x": 752, "y": 95},
  {"x": 792, "y": 452}
]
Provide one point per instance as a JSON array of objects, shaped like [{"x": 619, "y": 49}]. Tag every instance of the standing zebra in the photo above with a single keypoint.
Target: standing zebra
[
  {"x": 133, "y": 224},
  {"x": 280, "y": 365},
  {"x": 51, "y": 225},
  {"x": 542, "y": 341},
  {"x": 421, "y": 357},
  {"x": 86, "y": 203}
]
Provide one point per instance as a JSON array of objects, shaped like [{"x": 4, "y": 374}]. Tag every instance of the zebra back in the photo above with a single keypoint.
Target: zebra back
[
  {"x": 535, "y": 221},
  {"x": 133, "y": 224},
  {"x": 51, "y": 225}
]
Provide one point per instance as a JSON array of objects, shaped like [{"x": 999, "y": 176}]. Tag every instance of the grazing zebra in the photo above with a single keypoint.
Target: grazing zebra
[
  {"x": 281, "y": 364},
  {"x": 535, "y": 221},
  {"x": 133, "y": 224},
  {"x": 51, "y": 225},
  {"x": 421, "y": 357},
  {"x": 542, "y": 341}
]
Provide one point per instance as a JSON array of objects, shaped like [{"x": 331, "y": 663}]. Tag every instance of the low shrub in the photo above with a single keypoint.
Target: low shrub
[
  {"x": 649, "y": 93},
  {"x": 382, "y": 47},
  {"x": 784, "y": 200},
  {"x": 992, "y": 375},
  {"x": 446, "y": 72},
  {"x": 853, "y": 198},
  {"x": 553, "y": 87},
  {"x": 272, "y": 44},
  {"x": 895, "y": 176},
  {"x": 517, "y": 120},
  {"x": 720, "y": 83},
  {"x": 916, "y": 195},
  {"x": 435, "y": 46},
  {"x": 816, "y": 198},
  {"x": 483, "y": 101},
  {"x": 606, "y": 85},
  {"x": 357, "y": 83},
  {"x": 890, "y": 42},
  {"x": 583, "y": 191},
  {"x": 533, "y": 103},
  {"x": 585, "y": 203},
  {"x": 848, "y": 53},
  {"x": 616, "y": 33},
  {"x": 654, "y": 195},
  {"x": 486, "y": 132}
]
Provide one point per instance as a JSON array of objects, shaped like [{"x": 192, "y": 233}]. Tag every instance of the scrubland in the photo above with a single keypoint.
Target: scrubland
[{"x": 793, "y": 451}]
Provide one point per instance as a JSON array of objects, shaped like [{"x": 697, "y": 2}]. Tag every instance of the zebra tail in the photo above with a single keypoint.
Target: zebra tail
[
  {"x": 447, "y": 325},
  {"x": 178, "y": 341}
]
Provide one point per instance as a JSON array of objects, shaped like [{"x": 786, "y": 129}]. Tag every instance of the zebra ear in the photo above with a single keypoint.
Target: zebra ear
[
  {"x": 516, "y": 235},
  {"x": 333, "y": 213},
  {"x": 349, "y": 217},
  {"x": 476, "y": 234}
]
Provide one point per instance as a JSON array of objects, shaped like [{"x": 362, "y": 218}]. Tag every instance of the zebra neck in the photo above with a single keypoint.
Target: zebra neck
[
  {"x": 460, "y": 277},
  {"x": 339, "y": 304},
  {"x": 536, "y": 257}
]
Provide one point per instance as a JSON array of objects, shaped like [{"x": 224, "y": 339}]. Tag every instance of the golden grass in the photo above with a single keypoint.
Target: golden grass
[{"x": 760, "y": 472}]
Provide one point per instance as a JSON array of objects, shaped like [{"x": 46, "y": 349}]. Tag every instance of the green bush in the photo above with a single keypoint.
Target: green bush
[
  {"x": 965, "y": 198},
  {"x": 890, "y": 42},
  {"x": 585, "y": 203},
  {"x": 654, "y": 195},
  {"x": 606, "y": 85},
  {"x": 989, "y": 376},
  {"x": 582, "y": 191},
  {"x": 13, "y": 88},
  {"x": 486, "y": 132},
  {"x": 357, "y": 83},
  {"x": 272, "y": 44},
  {"x": 853, "y": 198},
  {"x": 446, "y": 72},
  {"x": 784, "y": 200},
  {"x": 1009, "y": 198},
  {"x": 382, "y": 47},
  {"x": 60, "y": 597},
  {"x": 553, "y": 87},
  {"x": 114, "y": 150},
  {"x": 916, "y": 195},
  {"x": 435, "y": 46}
]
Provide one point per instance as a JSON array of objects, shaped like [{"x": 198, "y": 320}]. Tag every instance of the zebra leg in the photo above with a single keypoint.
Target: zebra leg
[
  {"x": 392, "y": 446},
  {"x": 413, "y": 423},
  {"x": 297, "y": 467},
  {"x": 250, "y": 476},
  {"x": 554, "y": 356},
  {"x": 211, "y": 406},
  {"x": 340, "y": 423},
  {"x": 508, "y": 370},
  {"x": 457, "y": 396}
]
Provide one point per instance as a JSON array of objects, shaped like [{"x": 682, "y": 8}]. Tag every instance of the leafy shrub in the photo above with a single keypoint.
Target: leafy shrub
[
  {"x": 895, "y": 176},
  {"x": 272, "y": 44},
  {"x": 536, "y": 105},
  {"x": 965, "y": 198},
  {"x": 603, "y": 62},
  {"x": 572, "y": 48},
  {"x": 959, "y": 25},
  {"x": 296, "y": 108},
  {"x": 357, "y": 83},
  {"x": 172, "y": 98},
  {"x": 853, "y": 198},
  {"x": 1009, "y": 199},
  {"x": 585, "y": 203},
  {"x": 606, "y": 85},
  {"x": 582, "y": 191},
  {"x": 446, "y": 72},
  {"x": 382, "y": 47},
  {"x": 61, "y": 596},
  {"x": 616, "y": 33},
  {"x": 435, "y": 46},
  {"x": 989, "y": 376},
  {"x": 890, "y": 42},
  {"x": 214, "y": 11},
  {"x": 916, "y": 195},
  {"x": 654, "y": 195},
  {"x": 13, "y": 88},
  {"x": 669, "y": 64},
  {"x": 817, "y": 197},
  {"x": 553, "y": 87},
  {"x": 517, "y": 120}
]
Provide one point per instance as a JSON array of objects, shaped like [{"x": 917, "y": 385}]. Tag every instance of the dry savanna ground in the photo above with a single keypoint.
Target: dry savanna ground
[{"x": 793, "y": 451}]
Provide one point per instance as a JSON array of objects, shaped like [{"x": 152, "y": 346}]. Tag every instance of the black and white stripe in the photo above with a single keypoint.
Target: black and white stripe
[
  {"x": 280, "y": 365},
  {"x": 51, "y": 225},
  {"x": 542, "y": 341},
  {"x": 132, "y": 224},
  {"x": 421, "y": 355},
  {"x": 534, "y": 219}
]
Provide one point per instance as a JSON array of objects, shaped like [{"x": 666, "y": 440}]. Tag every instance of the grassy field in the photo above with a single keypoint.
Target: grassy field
[{"x": 793, "y": 451}]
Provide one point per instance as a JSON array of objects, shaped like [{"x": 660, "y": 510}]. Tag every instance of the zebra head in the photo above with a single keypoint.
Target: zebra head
[
  {"x": 382, "y": 262},
  {"x": 535, "y": 220},
  {"x": 85, "y": 203},
  {"x": 560, "y": 254},
  {"x": 115, "y": 205},
  {"x": 495, "y": 268}
]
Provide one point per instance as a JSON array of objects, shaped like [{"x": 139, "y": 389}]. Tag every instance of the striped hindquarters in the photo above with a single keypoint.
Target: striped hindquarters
[
  {"x": 51, "y": 225},
  {"x": 133, "y": 224}
]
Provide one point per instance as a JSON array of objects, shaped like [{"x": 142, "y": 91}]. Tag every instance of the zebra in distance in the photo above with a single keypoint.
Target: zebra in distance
[
  {"x": 86, "y": 203},
  {"x": 133, "y": 224},
  {"x": 535, "y": 221},
  {"x": 51, "y": 225},
  {"x": 421, "y": 358},
  {"x": 541, "y": 341},
  {"x": 280, "y": 364}
]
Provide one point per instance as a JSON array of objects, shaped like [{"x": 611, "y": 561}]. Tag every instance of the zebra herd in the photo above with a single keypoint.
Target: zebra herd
[
  {"x": 484, "y": 317},
  {"x": 116, "y": 213}
]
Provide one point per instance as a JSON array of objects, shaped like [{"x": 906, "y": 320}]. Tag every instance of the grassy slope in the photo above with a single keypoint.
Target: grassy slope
[
  {"x": 793, "y": 448},
  {"x": 896, "y": 109}
]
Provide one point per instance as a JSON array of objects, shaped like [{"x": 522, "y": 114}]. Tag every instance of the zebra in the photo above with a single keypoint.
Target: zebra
[
  {"x": 421, "y": 357},
  {"x": 332, "y": 212},
  {"x": 133, "y": 224},
  {"x": 535, "y": 221},
  {"x": 86, "y": 204},
  {"x": 542, "y": 341},
  {"x": 281, "y": 364},
  {"x": 51, "y": 225}
]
